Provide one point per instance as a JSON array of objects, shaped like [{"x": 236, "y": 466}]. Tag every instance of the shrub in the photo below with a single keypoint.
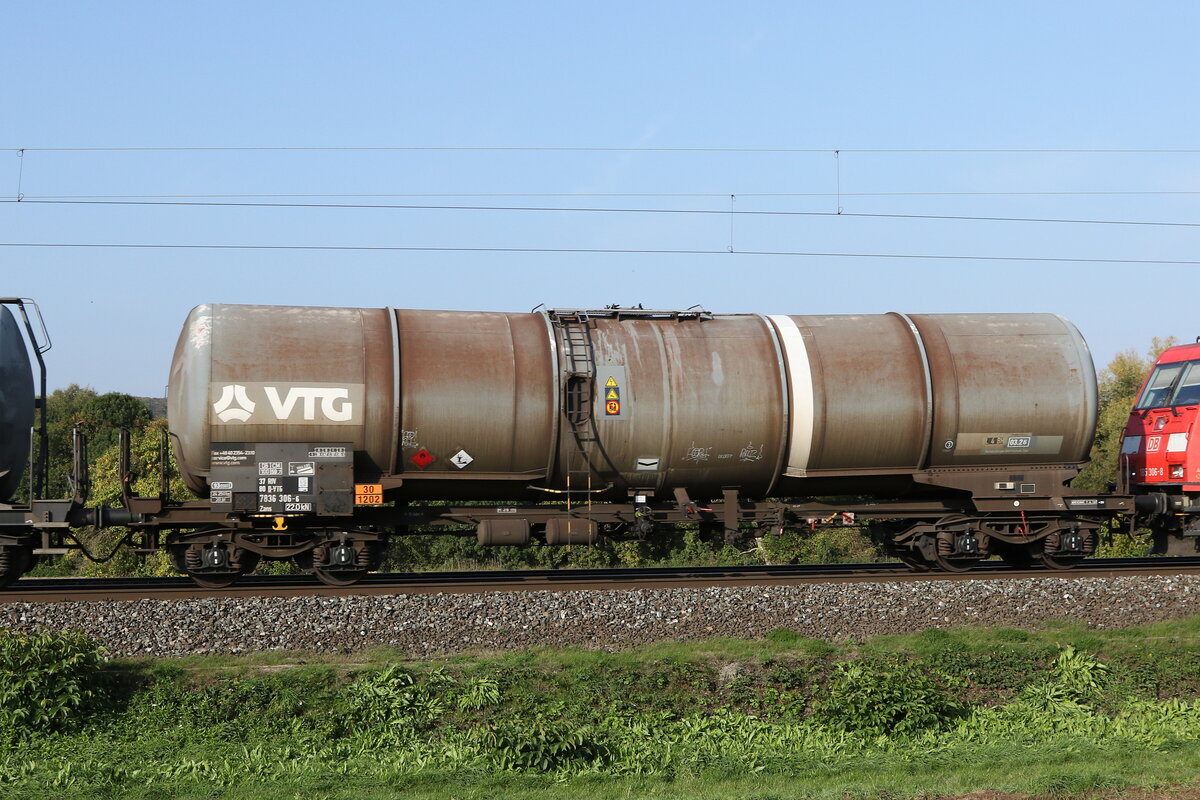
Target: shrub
[
  {"x": 392, "y": 698},
  {"x": 885, "y": 698},
  {"x": 1074, "y": 679},
  {"x": 48, "y": 681},
  {"x": 1080, "y": 673},
  {"x": 398, "y": 703},
  {"x": 542, "y": 745},
  {"x": 832, "y": 545}
]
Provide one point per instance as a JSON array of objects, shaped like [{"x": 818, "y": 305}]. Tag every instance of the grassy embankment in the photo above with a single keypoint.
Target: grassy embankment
[{"x": 1058, "y": 710}]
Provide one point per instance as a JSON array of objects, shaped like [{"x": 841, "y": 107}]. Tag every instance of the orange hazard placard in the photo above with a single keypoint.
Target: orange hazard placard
[{"x": 368, "y": 494}]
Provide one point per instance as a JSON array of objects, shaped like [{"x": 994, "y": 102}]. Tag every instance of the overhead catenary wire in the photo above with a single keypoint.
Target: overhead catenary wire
[
  {"x": 223, "y": 200},
  {"x": 602, "y": 251},
  {"x": 835, "y": 151},
  {"x": 596, "y": 149},
  {"x": 1081, "y": 193},
  {"x": 731, "y": 212}
]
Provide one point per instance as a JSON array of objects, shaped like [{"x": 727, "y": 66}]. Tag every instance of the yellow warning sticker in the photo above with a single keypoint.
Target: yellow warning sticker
[
  {"x": 612, "y": 408},
  {"x": 611, "y": 381},
  {"x": 613, "y": 394}
]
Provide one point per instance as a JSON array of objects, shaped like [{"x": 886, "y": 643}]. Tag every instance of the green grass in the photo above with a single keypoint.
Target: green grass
[
  {"x": 1056, "y": 710},
  {"x": 1058, "y": 766}
]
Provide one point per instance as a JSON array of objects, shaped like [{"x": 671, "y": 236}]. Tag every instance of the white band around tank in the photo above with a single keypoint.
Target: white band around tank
[{"x": 795, "y": 353}]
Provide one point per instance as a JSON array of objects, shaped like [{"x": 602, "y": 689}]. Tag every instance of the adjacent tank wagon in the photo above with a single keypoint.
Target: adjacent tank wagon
[{"x": 16, "y": 404}]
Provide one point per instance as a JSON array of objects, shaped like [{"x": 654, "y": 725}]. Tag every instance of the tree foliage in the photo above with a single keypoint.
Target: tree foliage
[
  {"x": 99, "y": 417},
  {"x": 143, "y": 464}
]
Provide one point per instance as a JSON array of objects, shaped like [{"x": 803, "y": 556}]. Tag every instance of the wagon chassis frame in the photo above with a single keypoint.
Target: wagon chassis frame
[{"x": 915, "y": 529}]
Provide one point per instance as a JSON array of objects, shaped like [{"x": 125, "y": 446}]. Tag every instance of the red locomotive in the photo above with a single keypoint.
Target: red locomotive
[{"x": 1160, "y": 456}]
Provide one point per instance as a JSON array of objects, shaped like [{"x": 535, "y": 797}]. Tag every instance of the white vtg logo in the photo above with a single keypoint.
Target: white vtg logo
[
  {"x": 334, "y": 403},
  {"x": 225, "y": 406}
]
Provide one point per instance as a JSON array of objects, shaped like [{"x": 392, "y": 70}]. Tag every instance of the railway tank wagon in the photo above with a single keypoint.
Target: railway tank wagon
[{"x": 961, "y": 429}]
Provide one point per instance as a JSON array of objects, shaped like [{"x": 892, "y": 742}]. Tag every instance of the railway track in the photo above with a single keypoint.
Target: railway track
[{"x": 49, "y": 590}]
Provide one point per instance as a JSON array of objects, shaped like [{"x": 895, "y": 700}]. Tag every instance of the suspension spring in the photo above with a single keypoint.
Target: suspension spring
[{"x": 193, "y": 559}]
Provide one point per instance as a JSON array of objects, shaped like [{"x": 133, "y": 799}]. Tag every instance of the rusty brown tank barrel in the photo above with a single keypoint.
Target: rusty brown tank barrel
[
  {"x": 894, "y": 393},
  {"x": 463, "y": 405},
  {"x": 408, "y": 389},
  {"x": 701, "y": 403}
]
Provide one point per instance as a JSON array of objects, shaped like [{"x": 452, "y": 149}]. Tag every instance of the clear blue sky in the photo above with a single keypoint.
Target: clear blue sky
[{"x": 848, "y": 76}]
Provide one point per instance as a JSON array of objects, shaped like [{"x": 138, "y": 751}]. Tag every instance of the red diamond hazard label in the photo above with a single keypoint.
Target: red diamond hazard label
[{"x": 422, "y": 458}]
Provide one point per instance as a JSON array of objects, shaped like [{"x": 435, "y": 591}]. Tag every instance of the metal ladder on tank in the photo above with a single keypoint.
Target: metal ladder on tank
[{"x": 579, "y": 358}]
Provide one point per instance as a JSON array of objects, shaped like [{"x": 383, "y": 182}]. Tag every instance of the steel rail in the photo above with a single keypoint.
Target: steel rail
[{"x": 48, "y": 590}]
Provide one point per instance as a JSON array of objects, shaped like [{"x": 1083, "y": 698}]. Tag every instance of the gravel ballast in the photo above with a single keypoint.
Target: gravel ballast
[{"x": 442, "y": 624}]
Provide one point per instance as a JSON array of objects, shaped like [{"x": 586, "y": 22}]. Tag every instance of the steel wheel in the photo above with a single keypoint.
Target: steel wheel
[
  {"x": 953, "y": 565},
  {"x": 15, "y": 561},
  {"x": 1065, "y": 560},
  {"x": 914, "y": 561},
  {"x": 340, "y": 578},
  {"x": 215, "y": 580},
  {"x": 1059, "y": 562},
  {"x": 950, "y": 562}
]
